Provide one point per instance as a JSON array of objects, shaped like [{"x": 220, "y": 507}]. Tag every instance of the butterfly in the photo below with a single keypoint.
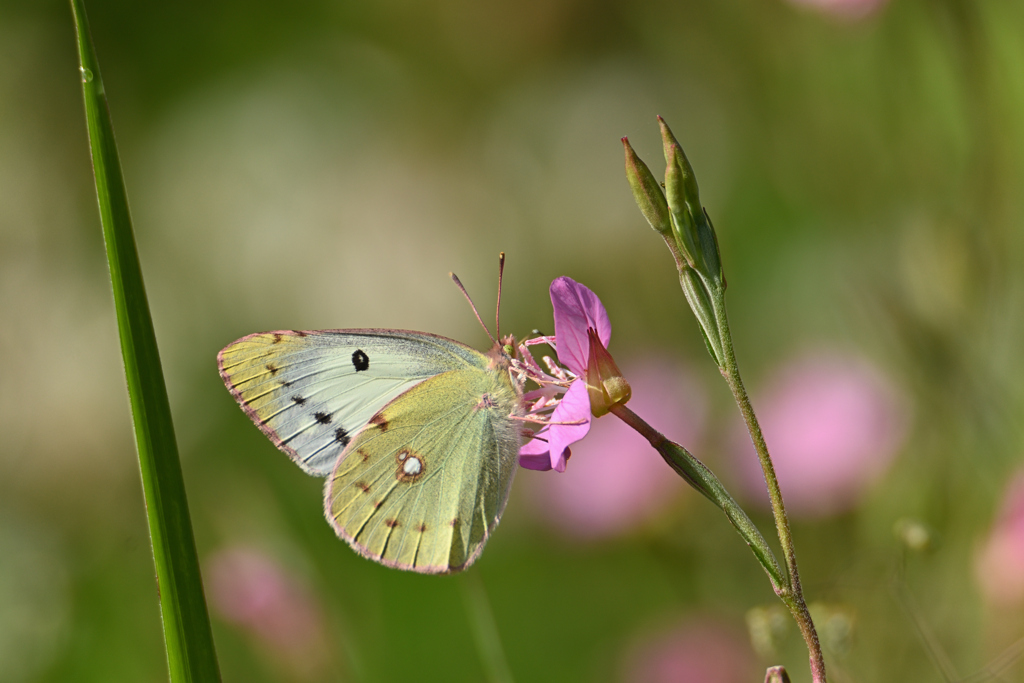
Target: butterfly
[{"x": 417, "y": 434}]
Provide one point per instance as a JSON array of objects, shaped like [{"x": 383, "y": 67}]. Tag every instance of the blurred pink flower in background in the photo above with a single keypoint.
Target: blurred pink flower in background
[
  {"x": 999, "y": 566},
  {"x": 696, "y": 651},
  {"x": 250, "y": 589},
  {"x": 843, "y": 9},
  {"x": 616, "y": 480},
  {"x": 833, "y": 423}
]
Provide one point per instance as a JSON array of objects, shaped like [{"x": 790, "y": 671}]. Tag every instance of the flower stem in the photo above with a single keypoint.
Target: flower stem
[
  {"x": 701, "y": 478},
  {"x": 793, "y": 598}
]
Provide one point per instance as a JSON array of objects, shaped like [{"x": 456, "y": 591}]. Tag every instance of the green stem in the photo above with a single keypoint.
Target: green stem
[
  {"x": 793, "y": 598},
  {"x": 701, "y": 478}
]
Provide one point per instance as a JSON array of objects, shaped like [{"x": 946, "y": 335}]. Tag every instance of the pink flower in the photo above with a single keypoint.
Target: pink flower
[
  {"x": 582, "y": 333},
  {"x": 999, "y": 566},
  {"x": 549, "y": 448},
  {"x": 843, "y": 9},
  {"x": 832, "y": 423},
  {"x": 618, "y": 481},
  {"x": 252, "y": 590},
  {"x": 696, "y": 651}
]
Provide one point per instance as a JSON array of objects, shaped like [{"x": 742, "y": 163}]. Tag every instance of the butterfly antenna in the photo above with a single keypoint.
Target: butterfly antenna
[
  {"x": 458, "y": 283},
  {"x": 497, "y": 313}
]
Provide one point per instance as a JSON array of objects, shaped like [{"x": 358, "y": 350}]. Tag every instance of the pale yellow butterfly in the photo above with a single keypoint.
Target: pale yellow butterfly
[{"x": 418, "y": 435}]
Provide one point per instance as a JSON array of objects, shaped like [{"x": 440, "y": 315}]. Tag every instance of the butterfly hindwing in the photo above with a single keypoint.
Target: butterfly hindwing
[
  {"x": 311, "y": 392},
  {"x": 424, "y": 484}
]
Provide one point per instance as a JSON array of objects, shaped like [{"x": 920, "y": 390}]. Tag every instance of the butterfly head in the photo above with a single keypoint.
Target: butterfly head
[
  {"x": 504, "y": 354},
  {"x": 508, "y": 347}
]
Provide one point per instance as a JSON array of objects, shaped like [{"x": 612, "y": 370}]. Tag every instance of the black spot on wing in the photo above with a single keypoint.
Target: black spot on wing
[
  {"x": 341, "y": 436},
  {"x": 360, "y": 361},
  {"x": 298, "y": 400},
  {"x": 322, "y": 418}
]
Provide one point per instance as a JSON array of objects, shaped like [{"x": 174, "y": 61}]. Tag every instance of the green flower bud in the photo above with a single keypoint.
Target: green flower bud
[
  {"x": 674, "y": 156},
  {"x": 647, "y": 192},
  {"x": 695, "y": 236},
  {"x": 678, "y": 216}
]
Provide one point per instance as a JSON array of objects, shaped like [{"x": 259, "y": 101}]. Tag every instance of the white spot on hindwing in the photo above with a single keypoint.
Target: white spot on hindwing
[{"x": 410, "y": 466}]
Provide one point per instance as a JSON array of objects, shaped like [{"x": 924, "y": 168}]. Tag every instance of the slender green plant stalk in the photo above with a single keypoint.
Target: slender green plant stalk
[
  {"x": 187, "y": 634},
  {"x": 794, "y": 597},
  {"x": 789, "y": 589},
  {"x": 676, "y": 213}
]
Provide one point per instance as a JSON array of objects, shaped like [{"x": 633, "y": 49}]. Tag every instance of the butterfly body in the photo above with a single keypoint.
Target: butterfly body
[{"x": 416, "y": 433}]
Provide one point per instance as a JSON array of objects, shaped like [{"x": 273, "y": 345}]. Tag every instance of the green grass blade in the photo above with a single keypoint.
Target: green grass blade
[
  {"x": 485, "y": 629},
  {"x": 187, "y": 634}
]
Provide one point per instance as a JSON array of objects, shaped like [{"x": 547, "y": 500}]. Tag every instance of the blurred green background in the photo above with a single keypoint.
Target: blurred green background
[{"x": 324, "y": 165}]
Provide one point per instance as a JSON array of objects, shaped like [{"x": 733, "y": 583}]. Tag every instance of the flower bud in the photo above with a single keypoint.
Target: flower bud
[
  {"x": 605, "y": 384},
  {"x": 647, "y": 192},
  {"x": 694, "y": 233},
  {"x": 686, "y": 191}
]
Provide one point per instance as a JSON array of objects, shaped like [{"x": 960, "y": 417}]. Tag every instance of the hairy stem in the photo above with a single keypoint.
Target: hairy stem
[{"x": 794, "y": 598}]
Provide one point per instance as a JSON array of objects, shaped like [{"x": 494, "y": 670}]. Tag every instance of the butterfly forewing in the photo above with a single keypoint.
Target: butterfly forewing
[
  {"x": 424, "y": 484},
  {"x": 311, "y": 392}
]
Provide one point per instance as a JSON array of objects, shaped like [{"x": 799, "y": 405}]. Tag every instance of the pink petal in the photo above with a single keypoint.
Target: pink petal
[
  {"x": 534, "y": 455},
  {"x": 552, "y": 453},
  {"x": 576, "y": 309}
]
